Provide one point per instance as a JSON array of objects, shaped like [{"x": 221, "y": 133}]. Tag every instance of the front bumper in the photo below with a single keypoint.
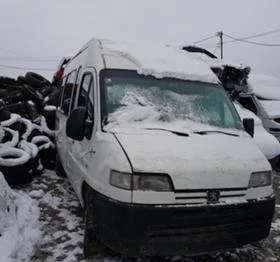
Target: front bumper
[{"x": 145, "y": 230}]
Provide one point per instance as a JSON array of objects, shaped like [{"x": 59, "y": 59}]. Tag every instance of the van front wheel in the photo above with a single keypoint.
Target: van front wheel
[{"x": 92, "y": 246}]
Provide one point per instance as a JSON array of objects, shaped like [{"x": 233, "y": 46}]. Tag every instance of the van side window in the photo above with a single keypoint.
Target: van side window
[
  {"x": 61, "y": 90},
  {"x": 86, "y": 100},
  {"x": 67, "y": 92},
  {"x": 75, "y": 88}
]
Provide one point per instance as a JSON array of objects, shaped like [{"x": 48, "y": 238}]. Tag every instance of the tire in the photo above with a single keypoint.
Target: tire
[
  {"x": 21, "y": 80},
  {"x": 15, "y": 166},
  {"x": 3, "y": 93},
  {"x": 48, "y": 90},
  {"x": 14, "y": 97},
  {"x": 7, "y": 81},
  {"x": 32, "y": 111},
  {"x": 50, "y": 117},
  {"x": 47, "y": 151},
  {"x": 92, "y": 245},
  {"x": 5, "y": 114},
  {"x": 54, "y": 98},
  {"x": 59, "y": 168},
  {"x": 48, "y": 158},
  {"x": 18, "y": 108},
  {"x": 31, "y": 94},
  {"x": 36, "y": 80}
]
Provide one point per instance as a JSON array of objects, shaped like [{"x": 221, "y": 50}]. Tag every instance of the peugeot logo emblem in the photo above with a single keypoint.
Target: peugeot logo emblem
[{"x": 213, "y": 196}]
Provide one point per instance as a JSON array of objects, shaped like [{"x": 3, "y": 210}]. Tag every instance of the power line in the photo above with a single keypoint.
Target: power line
[
  {"x": 205, "y": 39},
  {"x": 235, "y": 39},
  {"x": 250, "y": 42},
  {"x": 26, "y": 68},
  {"x": 255, "y": 36},
  {"x": 18, "y": 59}
]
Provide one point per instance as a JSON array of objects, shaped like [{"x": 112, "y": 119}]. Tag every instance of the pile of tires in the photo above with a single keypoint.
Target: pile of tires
[{"x": 27, "y": 117}]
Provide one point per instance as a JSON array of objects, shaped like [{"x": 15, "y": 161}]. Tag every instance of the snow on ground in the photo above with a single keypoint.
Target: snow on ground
[
  {"x": 61, "y": 223},
  {"x": 19, "y": 224}
]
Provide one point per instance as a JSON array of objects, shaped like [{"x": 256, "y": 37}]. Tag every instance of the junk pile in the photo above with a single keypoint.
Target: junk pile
[{"x": 27, "y": 122}]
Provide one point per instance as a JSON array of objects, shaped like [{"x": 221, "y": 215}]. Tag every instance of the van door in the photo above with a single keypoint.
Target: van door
[
  {"x": 82, "y": 152},
  {"x": 61, "y": 117}
]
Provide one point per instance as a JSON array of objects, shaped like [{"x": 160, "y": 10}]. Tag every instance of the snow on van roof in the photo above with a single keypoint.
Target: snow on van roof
[{"x": 160, "y": 61}]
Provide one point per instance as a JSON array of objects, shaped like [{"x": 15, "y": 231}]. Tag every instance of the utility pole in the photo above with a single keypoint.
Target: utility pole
[{"x": 220, "y": 34}]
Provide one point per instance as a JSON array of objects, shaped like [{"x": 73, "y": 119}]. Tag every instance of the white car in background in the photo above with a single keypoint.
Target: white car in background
[
  {"x": 266, "y": 100},
  {"x": 267, "y": 143}
]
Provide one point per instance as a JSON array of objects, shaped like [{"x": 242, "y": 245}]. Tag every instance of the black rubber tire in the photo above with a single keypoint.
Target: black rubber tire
[
  {"x": 92, "y": 245},
  {"x": 34, "y": 132},
  {"x": 5, "y": 113},
  {"x": 48, "y": 90},
  {"x": 48, "y": 158},
  {"x": 19, "y": 174},
  {"x": 32, "y": 111},
  {"x": 21, "y": 80},
  {"x": 59, "y": 168},
  {"x": 50, "y": 118},
  {"x": 36, "y": 80},
  {"x": 7, "y": 81},
  {"x": 14, "y": 97},
  {"x": 18, "y": 108},
  {"x": 54, "y": 98},
  {"x": 31, "y": 94},
  {"x": 3, "y": 93},
  {"x": 18, "y": 126}
]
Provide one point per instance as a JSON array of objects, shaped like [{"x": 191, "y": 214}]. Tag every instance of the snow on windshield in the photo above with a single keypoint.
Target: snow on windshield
[
  {"x": 154, "y": 102},
  {"x": 138, "y": 105}
]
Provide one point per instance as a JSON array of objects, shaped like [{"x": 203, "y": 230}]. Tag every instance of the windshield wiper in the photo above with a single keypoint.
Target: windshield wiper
[
  {"x": 168, "y": 130},
  {"x": 204, "y": 132}
]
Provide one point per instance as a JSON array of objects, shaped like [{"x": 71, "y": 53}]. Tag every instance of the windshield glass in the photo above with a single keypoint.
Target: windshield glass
[{"x": 130, "y": 98}]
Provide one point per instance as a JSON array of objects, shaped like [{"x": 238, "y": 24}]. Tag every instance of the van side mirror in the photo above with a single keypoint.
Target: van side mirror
[
  {"x": 248, "y": 124},
  {"x": 75, "y": 125}
]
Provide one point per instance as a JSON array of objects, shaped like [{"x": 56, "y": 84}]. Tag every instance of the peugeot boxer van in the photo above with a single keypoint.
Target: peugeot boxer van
[{"x": 157, "y": 154}]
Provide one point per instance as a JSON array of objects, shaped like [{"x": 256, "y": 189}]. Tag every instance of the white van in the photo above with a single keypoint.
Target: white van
[{"x": 157, "y": 153}]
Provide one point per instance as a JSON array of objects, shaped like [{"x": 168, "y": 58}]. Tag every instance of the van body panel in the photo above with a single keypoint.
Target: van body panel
[
  {"x": 94, "y": 166},
  {"x": 197, "y": 161}
]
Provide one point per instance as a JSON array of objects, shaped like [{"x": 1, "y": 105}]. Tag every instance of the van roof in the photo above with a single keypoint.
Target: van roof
[{"x": 157, "y": 60}]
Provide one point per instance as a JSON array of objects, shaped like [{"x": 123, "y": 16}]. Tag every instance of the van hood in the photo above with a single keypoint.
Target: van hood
[{"x": 196, "y": 161}]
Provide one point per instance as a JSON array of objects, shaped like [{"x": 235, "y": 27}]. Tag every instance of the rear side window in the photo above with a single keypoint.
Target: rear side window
[
  {"x": 85, "y": 99},
  {"x": 67, "y": 91},
  {"x": 75, "y": 88}
]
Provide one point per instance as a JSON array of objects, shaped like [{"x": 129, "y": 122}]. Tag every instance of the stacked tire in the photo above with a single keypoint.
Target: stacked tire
[{"x": 27, "y": 114}]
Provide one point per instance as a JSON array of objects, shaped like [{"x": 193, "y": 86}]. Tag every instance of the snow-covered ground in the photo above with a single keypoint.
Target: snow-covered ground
[{"x": 49, "y": 227}]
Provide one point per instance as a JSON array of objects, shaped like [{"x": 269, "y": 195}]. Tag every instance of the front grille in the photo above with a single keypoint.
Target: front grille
[{"x": 200, "y": 196}]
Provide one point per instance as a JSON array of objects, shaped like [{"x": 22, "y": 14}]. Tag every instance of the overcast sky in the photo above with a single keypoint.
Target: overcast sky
[{"x": 52, "y": 29}]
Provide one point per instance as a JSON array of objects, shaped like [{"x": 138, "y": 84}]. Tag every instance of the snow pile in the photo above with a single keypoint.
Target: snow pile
[
  {"x": 267, "y": 143},
  {"x": 19, "y": 224},
  {"x": 160, "y": 60}
]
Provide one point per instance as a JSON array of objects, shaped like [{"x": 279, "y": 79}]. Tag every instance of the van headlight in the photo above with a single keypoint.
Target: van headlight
[
  {"x": 141, "y": 182},
  {"x": 120, "y": 179},
  {"x": 157, "y": 182},
  {"x": 260, "y": 179}
]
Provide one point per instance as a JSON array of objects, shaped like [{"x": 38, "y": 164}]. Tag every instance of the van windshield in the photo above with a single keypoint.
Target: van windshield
[{"x": 130, "y": 98}]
